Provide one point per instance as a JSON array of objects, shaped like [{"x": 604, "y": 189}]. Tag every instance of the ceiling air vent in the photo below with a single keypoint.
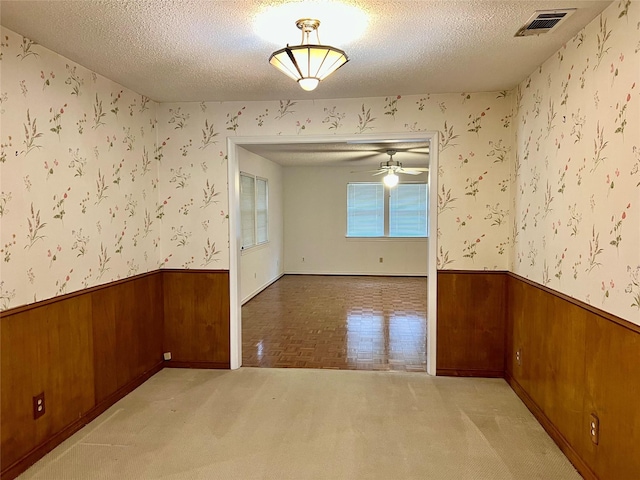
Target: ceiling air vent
[{"x": 543, "y": 21}]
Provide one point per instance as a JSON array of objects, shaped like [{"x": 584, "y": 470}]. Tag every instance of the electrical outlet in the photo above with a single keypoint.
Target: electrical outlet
[
  {"x": 519, "y": 357},
  {"x": 381, "y": 259},
  {"x": 166, "y": 356},
  {"x": 594, "y": 428},
  {"x": 303, "y": 259},
  {"x": 38, "y": 406}
]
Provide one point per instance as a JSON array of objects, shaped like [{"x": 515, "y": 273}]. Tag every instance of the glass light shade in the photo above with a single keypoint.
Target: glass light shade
[
  {"x": 390, "y": 179},
  {"x": 308, "y": 84},
  {"x": 308, "y": 64}
]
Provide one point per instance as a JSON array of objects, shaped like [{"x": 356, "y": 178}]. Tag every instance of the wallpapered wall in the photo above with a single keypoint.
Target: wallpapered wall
[
  {"x": 93, "y": 190},
  {"x": 78, "y": 186},
  {"x": 474, "y": 171},
  {"x": 577, "y": 166}
]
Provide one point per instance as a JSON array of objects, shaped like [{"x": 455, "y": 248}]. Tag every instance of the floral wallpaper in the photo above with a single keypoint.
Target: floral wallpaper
[
  {"x": 99, "y": 183},
  {"x": 476, "y": 151},
  {"x": 78, "y": 185},
  {"x": 577, "y": 166}
]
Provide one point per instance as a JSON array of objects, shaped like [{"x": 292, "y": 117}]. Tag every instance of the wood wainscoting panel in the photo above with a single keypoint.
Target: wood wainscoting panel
[
  {"x": 576, "y": 360},
  {"x": 471, "y": 323},
  {"x": 127, "y": 332},
  {"x": 560, "y": 375},
  {"x": 47, "y": 350},
  {"x": 196, "y": 318},
  {"x": 104, "y": 335},
  {"x": 18, "y": 349},
  {"x": 548, "y": 334},
  {"x": 85, "y": 351},
  {"x": 612, "y": 370},
  {"x": 88, "y": 349}
]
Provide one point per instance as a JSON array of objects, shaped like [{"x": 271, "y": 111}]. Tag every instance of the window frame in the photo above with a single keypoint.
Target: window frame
[{"x": 256, "y": 226}]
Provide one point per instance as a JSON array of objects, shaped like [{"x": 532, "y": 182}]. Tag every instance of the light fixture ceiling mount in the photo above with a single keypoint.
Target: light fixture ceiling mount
[
  {"x": 308, "y": 63},
  {"x": 308, "y": 25}
]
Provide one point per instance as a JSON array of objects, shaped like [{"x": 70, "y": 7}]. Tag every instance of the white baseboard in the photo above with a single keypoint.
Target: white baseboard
[
  {"x": 260, "y": 289},
  {"x": 361, "y": 274}
]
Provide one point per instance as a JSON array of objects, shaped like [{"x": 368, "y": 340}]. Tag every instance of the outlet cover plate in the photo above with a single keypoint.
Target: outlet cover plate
[{"x": 38, "y": 406}]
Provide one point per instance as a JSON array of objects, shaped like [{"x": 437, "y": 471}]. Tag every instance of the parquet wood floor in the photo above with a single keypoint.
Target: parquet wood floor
[{"x": 339, "y": 322}]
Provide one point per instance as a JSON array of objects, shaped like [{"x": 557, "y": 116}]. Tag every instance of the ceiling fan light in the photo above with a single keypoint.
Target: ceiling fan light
[{"x": 390, "y": 179}]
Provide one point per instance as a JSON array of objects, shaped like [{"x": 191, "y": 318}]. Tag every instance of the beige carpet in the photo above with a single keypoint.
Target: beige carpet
[{"x": 310, "y": 424}]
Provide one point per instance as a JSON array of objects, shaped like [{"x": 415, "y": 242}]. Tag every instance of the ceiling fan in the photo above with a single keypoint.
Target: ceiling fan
[{"x": 392, "y": 167}]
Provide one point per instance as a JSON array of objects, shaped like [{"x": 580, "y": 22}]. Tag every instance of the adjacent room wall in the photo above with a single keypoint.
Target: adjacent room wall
[
  {"x": 577, "y": 168},
  {"x": 263, "y": 264},
  {"x": 475, "y": 154},
  {"x": 78, "y": 198},
  {"x": 315, "y": 228}
]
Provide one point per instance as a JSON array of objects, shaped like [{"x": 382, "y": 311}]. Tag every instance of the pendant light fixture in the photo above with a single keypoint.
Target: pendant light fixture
[{"x": 308, "y": 63}]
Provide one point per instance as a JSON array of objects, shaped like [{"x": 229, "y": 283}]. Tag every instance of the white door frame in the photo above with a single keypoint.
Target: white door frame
[{"x": 235, "y": 234}]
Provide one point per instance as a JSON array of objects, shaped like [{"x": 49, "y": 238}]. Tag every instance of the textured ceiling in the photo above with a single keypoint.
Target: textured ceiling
[
  {"x": 203, "y": 50},
  {"x": 356, "y": 155}
]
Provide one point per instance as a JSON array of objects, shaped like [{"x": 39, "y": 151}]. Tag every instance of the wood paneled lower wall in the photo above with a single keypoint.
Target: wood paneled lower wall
[
  {"x": 471, "y": 323},
  {"x": 88, "y": 349},
  {"x": 576, "y": 360},
  {"x": 196, "y": 318}
]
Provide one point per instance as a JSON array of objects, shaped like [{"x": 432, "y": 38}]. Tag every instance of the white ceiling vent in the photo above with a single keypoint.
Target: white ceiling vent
[{"x": 543, "y": 21}]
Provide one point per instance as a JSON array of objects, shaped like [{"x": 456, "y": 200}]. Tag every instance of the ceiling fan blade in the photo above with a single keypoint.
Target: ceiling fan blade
[
  {"x": 362, "y": 156},
  {"x": 409, "y": 172},
  {"x": 365, "y": 171},
  {"x": 420, "y": 150},
  {"x": 417, "y": 169},
  {"x": 380, "y": 172}
]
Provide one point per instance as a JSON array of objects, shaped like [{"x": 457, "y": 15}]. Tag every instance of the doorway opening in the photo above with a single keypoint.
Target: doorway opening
[{"x": 234, "y": 143}]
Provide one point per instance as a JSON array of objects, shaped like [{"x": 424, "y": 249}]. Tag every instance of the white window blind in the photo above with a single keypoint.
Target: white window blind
[
  {"x": 408, "y": 210},
  {"x": 365, "y": 210},
  {"x": 254, "y": 210},
  {"x": 376, "y": 211},
  {"x": 262, "y": 209},
  {"x": 247, "y": 210}
]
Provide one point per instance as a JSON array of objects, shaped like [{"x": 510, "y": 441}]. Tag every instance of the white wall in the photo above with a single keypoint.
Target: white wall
[
  {"x": 315, "y": 222},
  {"x": 261, "y": 265}
]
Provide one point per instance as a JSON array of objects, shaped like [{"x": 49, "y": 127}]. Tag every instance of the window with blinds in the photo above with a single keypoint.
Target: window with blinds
[
  {"x": 365, "y": 210},
  {"x": 254, "y": 210},
  {"x": 408, "y": 210},
  {"x": 373, "y": 211},
  {"x": 262, "y": 213}
]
